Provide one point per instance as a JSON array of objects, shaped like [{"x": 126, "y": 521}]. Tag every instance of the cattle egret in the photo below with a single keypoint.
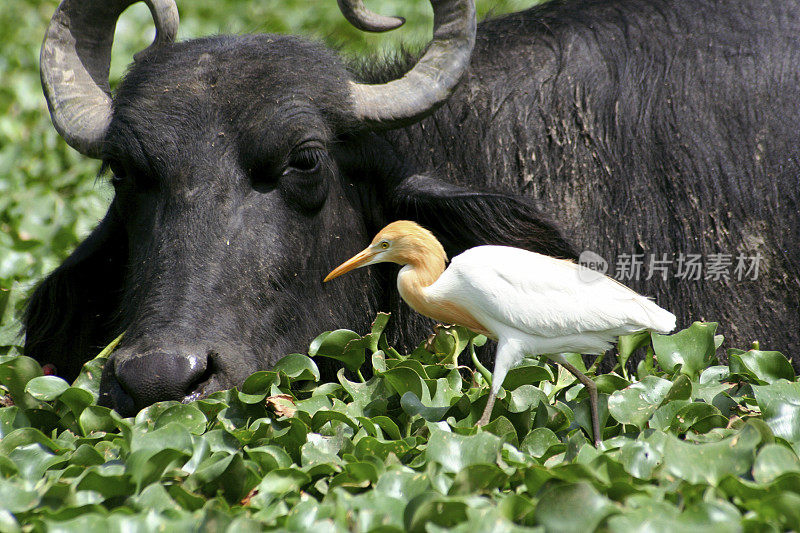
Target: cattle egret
[{"x": 531, "y": 304}]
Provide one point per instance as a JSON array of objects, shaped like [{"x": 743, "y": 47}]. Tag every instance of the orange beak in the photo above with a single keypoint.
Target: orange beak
[{"x": 363, "y": 258}]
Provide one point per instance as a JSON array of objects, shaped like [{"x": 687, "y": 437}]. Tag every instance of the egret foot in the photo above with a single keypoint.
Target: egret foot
[
  {"x": 487, "y": 412},
  {"x": 592, "y": 388}
]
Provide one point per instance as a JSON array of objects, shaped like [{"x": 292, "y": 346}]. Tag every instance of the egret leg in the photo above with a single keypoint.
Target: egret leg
[
  {"x": 507, "y": 355},
  {"x": 592, "y": 388},
  {"x": 487, "y": 412}
]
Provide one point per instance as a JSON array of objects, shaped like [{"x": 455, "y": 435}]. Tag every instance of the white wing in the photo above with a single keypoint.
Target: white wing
[{"x": 538, "y": 295}]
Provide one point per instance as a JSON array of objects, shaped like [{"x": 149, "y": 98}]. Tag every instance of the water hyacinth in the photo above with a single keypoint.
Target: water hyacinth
[{"x": 687, "y": 443}]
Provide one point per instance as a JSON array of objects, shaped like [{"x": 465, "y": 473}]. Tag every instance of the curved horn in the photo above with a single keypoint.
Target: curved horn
[
  {"x": 362, "y": 18},
  {"x": 74, "y": 64},
  {"x": 426, "y": 86}
]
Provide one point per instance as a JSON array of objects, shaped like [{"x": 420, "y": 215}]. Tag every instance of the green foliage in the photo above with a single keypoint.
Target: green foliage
[{"x": 689, "y": 445}]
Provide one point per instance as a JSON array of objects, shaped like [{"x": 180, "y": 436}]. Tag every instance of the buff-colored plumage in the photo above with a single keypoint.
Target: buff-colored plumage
[{"x": 530, "y": 303}]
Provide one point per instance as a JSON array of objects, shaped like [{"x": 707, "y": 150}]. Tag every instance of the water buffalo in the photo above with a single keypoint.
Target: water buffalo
[{"x": 658, "y": 137}]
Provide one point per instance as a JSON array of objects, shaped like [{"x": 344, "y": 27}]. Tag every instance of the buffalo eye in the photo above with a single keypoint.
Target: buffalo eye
[
  {"x": 305, "y": 159},
  {"x": 304, "y": 182},
  {"x": 118, "y": 173}
]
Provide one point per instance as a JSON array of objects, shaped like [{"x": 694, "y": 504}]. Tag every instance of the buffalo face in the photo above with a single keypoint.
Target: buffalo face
[{"x": 228, "y": 212}]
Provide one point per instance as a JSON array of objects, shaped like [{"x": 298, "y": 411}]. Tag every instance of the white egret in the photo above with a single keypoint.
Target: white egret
[{"x": 531, "y": 304}]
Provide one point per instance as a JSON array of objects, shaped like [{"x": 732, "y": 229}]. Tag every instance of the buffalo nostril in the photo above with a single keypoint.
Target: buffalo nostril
[{"x": 159, "y": 376}]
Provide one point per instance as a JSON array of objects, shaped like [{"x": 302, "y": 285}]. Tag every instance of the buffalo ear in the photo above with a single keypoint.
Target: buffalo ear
[
  {"x": 462, "y": 218},
  {"x": 69, "y": 318}
]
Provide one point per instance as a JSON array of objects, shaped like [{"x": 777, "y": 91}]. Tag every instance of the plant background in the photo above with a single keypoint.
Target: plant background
[
  {"x": 50, "y": 196},
  {"x": 688, "y": 444}
]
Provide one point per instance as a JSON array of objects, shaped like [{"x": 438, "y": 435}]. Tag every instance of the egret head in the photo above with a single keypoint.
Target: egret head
[{"x": 402, "y": 242}]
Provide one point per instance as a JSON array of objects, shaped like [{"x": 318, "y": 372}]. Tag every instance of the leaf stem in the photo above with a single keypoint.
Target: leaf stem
[
  {"x": 649, "y": 359},
  {"x": 111, "y": 346},
  {"x": 478, "y": 366},
  {"x": 597, "y": 361}
]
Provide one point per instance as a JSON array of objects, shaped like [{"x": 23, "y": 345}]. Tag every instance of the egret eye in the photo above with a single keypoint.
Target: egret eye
[{"x": 384, "y": 245}]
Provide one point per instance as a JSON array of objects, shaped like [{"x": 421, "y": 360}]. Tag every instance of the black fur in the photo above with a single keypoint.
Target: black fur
[
  {"x": 617, "y": 126},
  {"x": 71, "y": 313},
  {"x": 464, "y": 218}
]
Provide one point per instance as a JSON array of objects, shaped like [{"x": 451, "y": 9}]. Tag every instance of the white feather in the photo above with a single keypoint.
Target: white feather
[{"x": 547, "y": 305}]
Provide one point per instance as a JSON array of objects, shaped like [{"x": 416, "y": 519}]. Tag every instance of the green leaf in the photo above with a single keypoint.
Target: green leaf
[
  {"x": 109, "y": 349},
  {"x": 186, "y": 415},
  {"x": 782, "y": 509},
  {"x": 277, "y": 484},
  {"x": 431, "y": 508},
  {"x": 707, "y": 463},
  {"x": 402, "y": 484},
  {"x": 762, "y": 367},
  {"x": 609, "y": 383},
  {"x": 33, "y": 460},
  {"x": 527, "y": 374},
  {"x": 640, "y": 458},
  {"x": 85, "y": 455},
  {"x": 186, "y": 499},
  {"x": 637, "y": 403},
  {"x": 147, "y": 466},
  {"x": 721, "y": 516},
  {"x": 258, "y": 386},
  {"x": 449, "y": 341},
  {"x": 681, "y": 389},
  {"x": 525, "y": 397},
  {"x": 780, "y": 406},
  {"x": 538, "y": 442},
  {"x": 8, "y": 523},
  {"x": 336, "y": 345},
  {"x": 692, "y": 350},
  {"x": 378, "y": 325},
  {"x": 364, "y": 394},
  {"x": 573, "y": 507},
  {"x": 12, "y": 418},
  {"x": 96, "y": 419},
  {"x": 15, "y": 498},
  {"x": 235, "y": 481},
  {"x": 455, "y": 452},
  {"x": 388, "y": 426},
  {"x": 173, "y": 436},
  {"x": 370, "y": 446},
  {"x": 404, "y": 379},
  {"x": 773, "y": 461},
  {"x": 25, "y": 435},
  {"x": 156, "y": 498},
  {"x": 478, "y": 478},
  {"x": 412, "y": 405},
  {"x": 648, "y": 515},
  {"x": 108, "y": 480},
  {"x": 701, "y": 417},
  {"x": 630, "y": 343},
  {"x": 298, "y": 367},
  {"x": 89, "y": 377},
  {"x": 76, "y": 399},
  {"x": 269, "y": 457},
  {"x": 15, "y": 374},
  {"x": 321, "y": 418},
  {"x": 46, "y": 388}
]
